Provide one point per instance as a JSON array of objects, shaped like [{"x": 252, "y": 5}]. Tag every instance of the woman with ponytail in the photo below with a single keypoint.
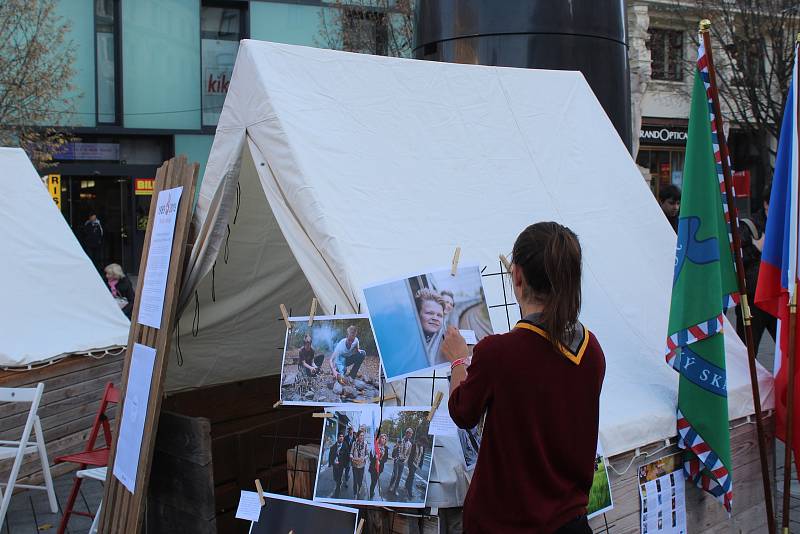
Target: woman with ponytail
[{"x": 539, "y": 386}]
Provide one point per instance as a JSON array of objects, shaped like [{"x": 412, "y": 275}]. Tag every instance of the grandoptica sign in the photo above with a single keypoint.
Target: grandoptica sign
[{"x": 657, "y": 134}]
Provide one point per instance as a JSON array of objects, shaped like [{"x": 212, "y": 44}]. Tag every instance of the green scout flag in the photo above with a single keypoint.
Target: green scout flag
[{"x": 704, "y": 283}]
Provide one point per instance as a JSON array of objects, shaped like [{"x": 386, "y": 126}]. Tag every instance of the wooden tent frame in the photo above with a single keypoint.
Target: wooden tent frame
[{"x": 123, "y": 511}]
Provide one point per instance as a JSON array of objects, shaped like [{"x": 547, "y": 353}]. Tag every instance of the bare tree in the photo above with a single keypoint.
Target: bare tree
[
  {"x": 35, "y": 72},
  {"x": 753, "y": 46},
  {"x": 380, "y": 27}
]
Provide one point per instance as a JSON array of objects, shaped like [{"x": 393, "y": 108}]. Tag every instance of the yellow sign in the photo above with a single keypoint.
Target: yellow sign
[
  {"x": 143, "y": 186},
  {"x": 54, "y": 186}
]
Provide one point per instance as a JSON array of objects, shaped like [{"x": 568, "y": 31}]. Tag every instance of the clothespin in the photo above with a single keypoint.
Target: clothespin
[
  {"x": 313, "y": 311},
  {"x": 360, "y": 526},
  {"x": 456, "y": 256},
  {"x": 323, "y": 415},
  {"x": 277, "y": 404},
  {"x": 436, "y": 401},
  {"x": 260, "y": 491},
  {"x": 505, "y": 262},
  {"x": 285, "y": 315}
]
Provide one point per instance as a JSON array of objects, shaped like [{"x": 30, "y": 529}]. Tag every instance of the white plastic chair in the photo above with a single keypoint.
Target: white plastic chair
[
  {"x": 96, "y": 473},
  {"x": 26, "y": 445}
]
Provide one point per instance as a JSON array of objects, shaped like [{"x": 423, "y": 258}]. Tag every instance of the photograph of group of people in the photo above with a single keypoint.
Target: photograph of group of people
[
  {"x": 410, "y": 315},
  {"x": 333, "y": 361},
  {"x": 370, "y": 455}
]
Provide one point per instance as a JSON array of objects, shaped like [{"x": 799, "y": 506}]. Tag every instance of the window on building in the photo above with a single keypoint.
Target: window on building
[
  {"x": 748, "y": 61},
  {"x": 105, "y": 23},
  {"x": 365, "y": 31},
  {"x": 666, "y": 54},
  {"x": 221, "y": 29},
  {"x": 666, "y": 166}
]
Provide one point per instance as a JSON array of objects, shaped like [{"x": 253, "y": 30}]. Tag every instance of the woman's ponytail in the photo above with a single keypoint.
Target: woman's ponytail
[{"x": 550, "y": 257}]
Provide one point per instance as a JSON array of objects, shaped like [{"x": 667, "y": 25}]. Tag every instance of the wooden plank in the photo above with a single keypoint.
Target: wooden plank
[
  {"x": 163, "y": 518},
  {"x": 123, "y": 511},
  {"x": 185, "y": 437}
]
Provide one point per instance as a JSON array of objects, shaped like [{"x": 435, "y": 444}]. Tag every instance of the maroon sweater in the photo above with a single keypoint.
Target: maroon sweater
[{"x": 536, "y": 460}]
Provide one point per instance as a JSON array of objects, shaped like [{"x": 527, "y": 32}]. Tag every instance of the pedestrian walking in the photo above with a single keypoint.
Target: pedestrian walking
[{"x": 92, "y": 238}]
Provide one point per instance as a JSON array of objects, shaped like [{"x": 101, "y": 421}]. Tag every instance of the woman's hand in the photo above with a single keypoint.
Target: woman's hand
[{"x": 454, "y": 346}]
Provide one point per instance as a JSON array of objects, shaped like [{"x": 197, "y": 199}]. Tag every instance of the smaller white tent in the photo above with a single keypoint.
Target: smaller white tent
[{"x": 53, "y": 302}]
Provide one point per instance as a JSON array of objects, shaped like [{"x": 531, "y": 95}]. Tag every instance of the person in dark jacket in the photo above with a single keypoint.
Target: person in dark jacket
[
  {"x": 669, "y": 198},
  {"x": 536, "y": 460},
  {"x": 751, "y": 231},
  {"x": 415, "y": 459},
  {"x": 337, "y": 457},
  {"x": 377, "y": 461},
  {"x": 92, "y": 238},
  {"x": 120, "y": 287}
]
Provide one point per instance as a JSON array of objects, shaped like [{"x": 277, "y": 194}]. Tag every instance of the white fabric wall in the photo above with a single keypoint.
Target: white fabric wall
[
  {"x": 52, "y": 300},
  {"x": 374, "y": 167}
]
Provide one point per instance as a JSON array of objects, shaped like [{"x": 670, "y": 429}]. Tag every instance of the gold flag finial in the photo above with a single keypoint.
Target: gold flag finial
[{"x": 705, "y": 24}]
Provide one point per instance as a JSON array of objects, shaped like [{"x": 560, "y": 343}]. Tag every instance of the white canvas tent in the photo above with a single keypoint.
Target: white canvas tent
[
  {"x": 54, "y": 302},
  {"x": 354, "y": 168}
]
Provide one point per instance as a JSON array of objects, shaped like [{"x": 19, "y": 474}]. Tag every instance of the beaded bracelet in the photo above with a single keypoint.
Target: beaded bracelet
[{"x": 456, "y": 363}]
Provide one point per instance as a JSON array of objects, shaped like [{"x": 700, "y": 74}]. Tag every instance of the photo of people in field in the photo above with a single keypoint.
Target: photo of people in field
[
  {"x": 410, "y": 315},
  {"x": 333, "y": 361}
]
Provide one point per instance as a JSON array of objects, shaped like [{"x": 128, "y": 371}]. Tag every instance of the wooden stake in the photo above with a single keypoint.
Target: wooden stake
[
  {"x": 456, "y": 256},
  {"x": 260, "y": 491},
  {"x": 322, "y": 415},
  {"x": 285, "y": 315},
  {"x": 436, "y": 401},
  {"x": 313, "y": 311},
  {"x": 705, "y": 25}
]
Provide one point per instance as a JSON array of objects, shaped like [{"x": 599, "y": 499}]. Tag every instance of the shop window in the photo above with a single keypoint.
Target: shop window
[
  {"x": 221, "y": 29},
  {"x": 365, "y": 32},
  {"x": 106, "y": 47},
  {"x": 666, "y": 54},
  {"x": 665, "y": 166}
]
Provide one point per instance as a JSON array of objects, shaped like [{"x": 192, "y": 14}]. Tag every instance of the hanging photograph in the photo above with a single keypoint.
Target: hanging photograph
[
  {"x": 366, "y": 460},
  {"x": 410, "y": 315},
  {"x": 333, "y": 361},
  {"x": 600, "y": 500},
  {"x": 282, "y": 514}
]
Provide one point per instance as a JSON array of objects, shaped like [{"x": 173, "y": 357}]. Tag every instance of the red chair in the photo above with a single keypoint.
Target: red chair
[{"x": 92, "y": 455}]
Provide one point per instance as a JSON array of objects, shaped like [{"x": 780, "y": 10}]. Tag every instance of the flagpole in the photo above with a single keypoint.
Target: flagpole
[
  {"x": 705, "y": 25},
  {"x": 787, "y": 458},
  {"x": 791, "y": 356}
]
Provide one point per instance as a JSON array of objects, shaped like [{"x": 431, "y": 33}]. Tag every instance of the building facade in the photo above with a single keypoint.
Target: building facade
[
  {"x": 662, "y": 55},
  {"x": 150, "y": 81}
]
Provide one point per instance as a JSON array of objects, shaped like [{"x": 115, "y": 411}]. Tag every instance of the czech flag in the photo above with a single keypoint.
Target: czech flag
[{"x": 777, "y": 277}]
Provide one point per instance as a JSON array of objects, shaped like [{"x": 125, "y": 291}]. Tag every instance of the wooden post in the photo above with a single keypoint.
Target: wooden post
[
  {"x": 123, "y": 511},
  {"x": 705, "y": 25}
]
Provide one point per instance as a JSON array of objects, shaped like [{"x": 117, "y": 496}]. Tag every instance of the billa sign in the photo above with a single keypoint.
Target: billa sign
[
  {"x": 54, "y": 187},
  {"x": 143, "y": 186}
]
